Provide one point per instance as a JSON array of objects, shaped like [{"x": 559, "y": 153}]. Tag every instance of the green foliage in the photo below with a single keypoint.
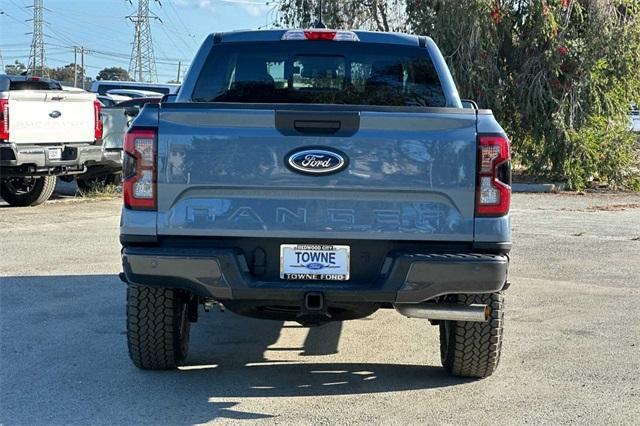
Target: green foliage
[
  {"x": 378, "y": 15},
  {"x": 114, "y": 73},
  {"x": 66, "y": 73},
  {"x": 600, "y": 149},
  {"x": 559, "y": 74},
  {"x": 63, "y": 74}
]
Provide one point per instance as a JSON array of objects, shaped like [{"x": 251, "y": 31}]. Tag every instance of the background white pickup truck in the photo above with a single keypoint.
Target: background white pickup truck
[{"x": 44, "y": 132}]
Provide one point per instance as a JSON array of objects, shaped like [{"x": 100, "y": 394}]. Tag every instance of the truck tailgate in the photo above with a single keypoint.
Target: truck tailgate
[
  {"x": 51, "y": 117},
  {"x": 223, "y": 172}
]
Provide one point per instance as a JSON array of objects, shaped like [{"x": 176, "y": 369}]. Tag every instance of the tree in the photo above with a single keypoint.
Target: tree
[
  {"x": 114, "y": 73},
  {"x": 66, "y": 73},
  {"x": 379, "y": 15},
  {"x": 559, "y": 74},
  {"x": 16, "y": 68}
]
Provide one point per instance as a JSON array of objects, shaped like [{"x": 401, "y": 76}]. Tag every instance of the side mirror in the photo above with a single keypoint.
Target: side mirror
[
  {"x": 131, "y": 111},
  {"x": 469, "y": 104}
]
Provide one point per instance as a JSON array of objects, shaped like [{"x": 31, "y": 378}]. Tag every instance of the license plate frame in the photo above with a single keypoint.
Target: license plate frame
[
  {"x": 317, "y": 265},
  {"x": 54, "y": 154}
]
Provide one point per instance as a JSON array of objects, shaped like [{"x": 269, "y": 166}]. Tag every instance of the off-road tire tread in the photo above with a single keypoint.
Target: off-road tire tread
[
  {"x": 473, "y": 348},
  {"x": 153, "y": 327},
  {"x": 41, "y": 192}
]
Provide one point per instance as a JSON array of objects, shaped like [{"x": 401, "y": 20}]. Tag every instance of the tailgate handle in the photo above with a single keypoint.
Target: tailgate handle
[
  {"x": 316, "y": 126},
  {"x": 313, "y": 122}
]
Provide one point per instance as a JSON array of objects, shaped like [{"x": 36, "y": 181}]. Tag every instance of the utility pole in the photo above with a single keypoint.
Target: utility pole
[
  {"x": 82, "y": 65},
  {"x": 179, "y": 66},
  {"x": 37, "y": 65},
  {"x": 142, "y": 65},
  {"x": 75, "y": 66}
]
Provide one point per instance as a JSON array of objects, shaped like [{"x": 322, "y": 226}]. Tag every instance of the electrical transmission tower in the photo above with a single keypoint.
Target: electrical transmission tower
[
  {"x": 142, "y": 65},
  {"x": 37, "y": 63}
]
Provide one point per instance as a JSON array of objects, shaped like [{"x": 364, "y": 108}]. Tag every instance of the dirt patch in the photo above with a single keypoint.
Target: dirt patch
[
  {"x": 613, "y": 207},
  {"x": 601, "y": 208}
]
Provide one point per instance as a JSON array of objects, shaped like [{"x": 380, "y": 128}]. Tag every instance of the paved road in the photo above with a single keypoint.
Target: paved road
[{"x": 571, "y": 354}]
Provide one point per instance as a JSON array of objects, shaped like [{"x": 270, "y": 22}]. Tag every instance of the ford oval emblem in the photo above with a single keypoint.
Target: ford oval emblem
[
  {"x": 316, "y": 161},
  {"x": 55, "y": 114},
  {"x": 315, "y": 266}
]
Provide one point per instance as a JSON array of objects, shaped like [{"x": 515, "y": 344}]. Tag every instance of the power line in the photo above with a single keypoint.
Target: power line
[
  {"x": 3, "y": 13},
  {"x": 21, "y": 7},
  {"x": 37, "y": 63},
  {"x": 143, "y": 62},
  {"x": 86, "y": 28},
  {"x": 192, "y": 38}
]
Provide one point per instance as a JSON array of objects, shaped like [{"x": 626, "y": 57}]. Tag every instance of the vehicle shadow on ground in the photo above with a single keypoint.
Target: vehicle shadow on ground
[{"x": 80, "y": 360}]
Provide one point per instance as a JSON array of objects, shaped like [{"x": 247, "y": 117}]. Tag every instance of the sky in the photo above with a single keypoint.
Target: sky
[{"x": 101, "y": 27}]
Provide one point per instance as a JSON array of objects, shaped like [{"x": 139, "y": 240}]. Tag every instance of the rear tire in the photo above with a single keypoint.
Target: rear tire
[
  {"x": 28, "y": 191},
  {"x": 157, "y": 327},
  {"x": 472, "y": 349}
]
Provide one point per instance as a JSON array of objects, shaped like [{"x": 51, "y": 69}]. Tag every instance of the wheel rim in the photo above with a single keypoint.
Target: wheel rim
[{"x": 20, "y": 186}]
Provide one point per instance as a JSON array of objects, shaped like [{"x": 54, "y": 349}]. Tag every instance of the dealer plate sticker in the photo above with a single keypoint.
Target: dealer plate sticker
[
  {"x": 55, "y": 153},
  {"x": 314, "y": 262}
]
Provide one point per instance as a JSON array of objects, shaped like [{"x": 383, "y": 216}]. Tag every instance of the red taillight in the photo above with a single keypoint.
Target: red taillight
[
  {"x": 493, "y": 194},
  {"x": 98, "y": 126},
  {"x": 320, "y": 34},
  {"x": 139, "y": 168},
  {"x": 4, "y": 120}
]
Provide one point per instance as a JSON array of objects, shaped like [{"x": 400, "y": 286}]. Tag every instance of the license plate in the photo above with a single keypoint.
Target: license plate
[
  {"x": 314, "y": 262},
  {"x": 55, "y": 153}
]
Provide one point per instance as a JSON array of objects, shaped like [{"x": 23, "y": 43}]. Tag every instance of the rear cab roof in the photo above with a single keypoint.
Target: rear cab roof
[
  {"x": 276, "y": 35},
  {"x": 6, "y": 80},
  {"x": 448, "y": 85}
]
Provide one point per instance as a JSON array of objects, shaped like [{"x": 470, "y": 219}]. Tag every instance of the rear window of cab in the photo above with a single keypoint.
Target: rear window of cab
[
  {"x": 34, "y": 85},
  {"x": 320, "y": 72}
]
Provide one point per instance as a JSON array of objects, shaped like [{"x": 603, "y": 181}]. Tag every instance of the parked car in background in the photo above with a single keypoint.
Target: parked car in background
[
  {"x": 44, "y": 132},
  {"x": 72, "y": 89},
  {"x": 135, "y": 93},
  {"x": 111, "y": 100},
  {"x": 116, "y": 120},
  {"x": 314, "y": 176},
  {"x": 103, "y": 86}
]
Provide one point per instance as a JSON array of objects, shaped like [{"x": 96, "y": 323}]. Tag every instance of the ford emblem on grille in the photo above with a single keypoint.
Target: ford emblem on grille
[
  {"x": 55, "y": 114},
  {"x": 316, "y": 161}
]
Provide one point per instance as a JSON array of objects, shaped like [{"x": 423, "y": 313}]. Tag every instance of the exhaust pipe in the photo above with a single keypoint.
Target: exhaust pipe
[{"x": 445, "y": 312}]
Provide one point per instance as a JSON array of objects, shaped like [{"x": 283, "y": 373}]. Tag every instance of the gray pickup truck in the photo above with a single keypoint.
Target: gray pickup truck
[{"x": 315, "y": 176}]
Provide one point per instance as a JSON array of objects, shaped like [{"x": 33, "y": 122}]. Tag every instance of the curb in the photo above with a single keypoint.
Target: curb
[{"x": 537, "y": 187}]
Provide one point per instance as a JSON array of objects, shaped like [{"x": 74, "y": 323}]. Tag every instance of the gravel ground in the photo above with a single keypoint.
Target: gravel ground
[{"x": 571, "y": 351}]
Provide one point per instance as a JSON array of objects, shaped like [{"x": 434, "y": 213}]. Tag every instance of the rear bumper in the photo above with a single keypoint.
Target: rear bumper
[
  {"x": 110, "y": 162},
  {"x": 404, "y": 278},
  {"x": 112, "y": 158},
  {"x": 32, "y": 160}
]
